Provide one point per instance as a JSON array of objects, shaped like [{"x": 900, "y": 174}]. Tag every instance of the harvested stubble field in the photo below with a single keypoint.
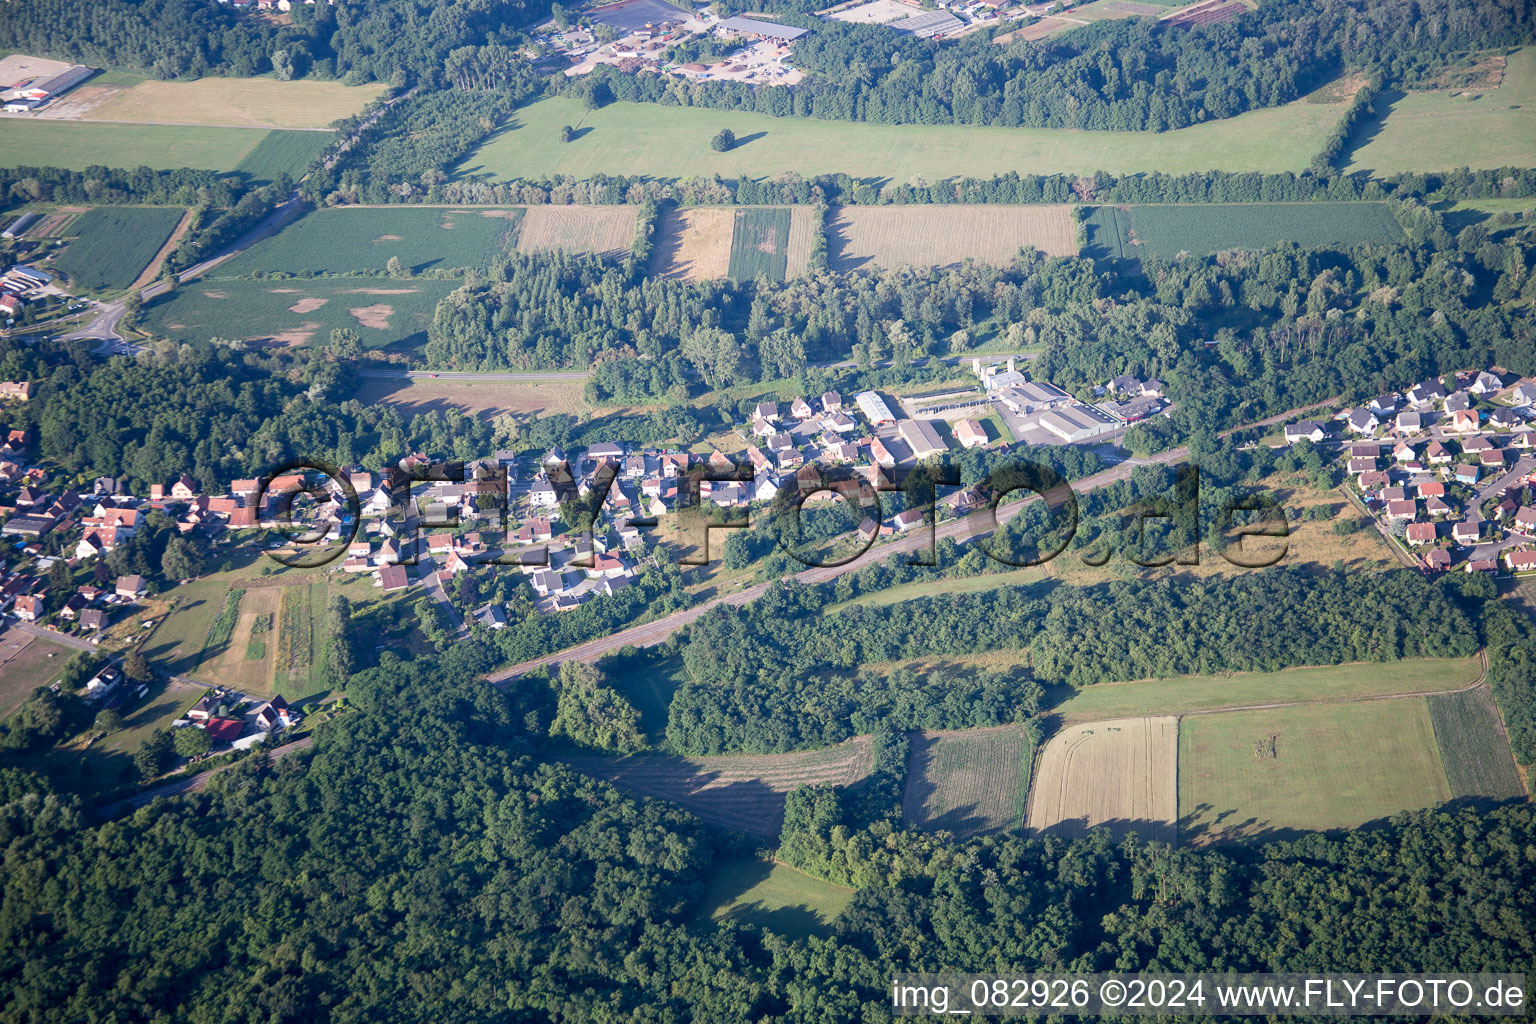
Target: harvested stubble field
[
  {"x": 924, "y": 236},
  {"x": 1473, "y": 747},
  {"x": 238, "y": 102},
  {"x": 1121, "y": 774},
  {"x": 694, "y": 244},
  {"x": 608, "y": 231},
  {"x": 743, "y": 792},
  {"x": 487, "y": 398},
  {"x": 115, "y": 243},
  {"x": 1249, "y": 775},
  {"x": 969, "y": 782}
]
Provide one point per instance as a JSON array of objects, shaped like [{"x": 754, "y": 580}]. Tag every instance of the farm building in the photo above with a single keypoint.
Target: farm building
[
  {"x": 752, "y": 28},
  {"x": 1075, "y": 423},
  {"x": 58, "y": 85},
  {"x": 19, "y": 225},
  {"x": 921, "y": 438}
]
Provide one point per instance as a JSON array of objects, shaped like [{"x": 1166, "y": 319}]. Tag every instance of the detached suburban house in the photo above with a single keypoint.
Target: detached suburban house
[{"x": 1306, "y": 430}]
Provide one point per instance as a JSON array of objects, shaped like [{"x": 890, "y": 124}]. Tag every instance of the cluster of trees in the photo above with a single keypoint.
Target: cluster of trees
[
  {"x": 101, "y": 185},
  {"x": 1134, "y": 74},
  {"x": 748, "y": 689},
  {"x": 425, "y": 860}
]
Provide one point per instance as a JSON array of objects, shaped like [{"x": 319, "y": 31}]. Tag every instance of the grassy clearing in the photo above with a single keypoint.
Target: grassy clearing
[
  {"x": 299, "y": 312},
  {"x": 1119, "y": 774},
  {"x": 744, "y": 792},
  {"x": 76, "y": 145},
  {"x": 969, "y": 782},
  {"x": 1448, "y": 128},
  {"x": 26, "y": 662},
  {"x": 939, "y": 236},
  {"x": 1264, "y": 774},
  {"x": 648, "y": 685},
  {"x": 608, "y": 231},
  {"x": 651, "y": 139},
  {"x": 760, "y": 244},
  {"x": 115, "y": 244},
  {"x": 352, "y": 239},
  {"x": 290, "y": 153},
  {"x": 178, "y": 642},
  {"x": 1132, "y": 232},
  {"x": 1180, "y": 694},
  {"x": 1473, "y": 747},
  {"x": 774, "y": 897},
  {"x": 487, "y": 398},
  {"x": 238, "y": 102}
]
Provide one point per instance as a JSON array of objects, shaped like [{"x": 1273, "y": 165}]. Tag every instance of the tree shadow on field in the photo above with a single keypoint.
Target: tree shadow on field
[
  {"x": 747, "y": 805},
  {"x": 1367, "y": 130},
  {"x": 742, "y": 140},
  {"x": 962, "y": 821}
]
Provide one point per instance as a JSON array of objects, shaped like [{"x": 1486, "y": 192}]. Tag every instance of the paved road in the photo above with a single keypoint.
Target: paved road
[
  {"x": 58, "y": 638},
  {"x": 195, "y": 784}
]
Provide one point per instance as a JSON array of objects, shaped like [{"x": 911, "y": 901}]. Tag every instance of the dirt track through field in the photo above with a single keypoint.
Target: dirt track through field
[{"x": 1121, "y": 774}]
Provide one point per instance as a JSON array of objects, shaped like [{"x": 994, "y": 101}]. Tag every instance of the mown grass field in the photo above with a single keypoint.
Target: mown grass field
[
  {"x": 178, "y": 642},
  {"x": 238, "y": 102},
  {"x": 651, "y": 139},
  {"x": 1473, "y": 748},
  {"x": 346, "y": 241},
  {"x": 744, "y": 792},
  {"x": 969, "y": 782},
  {"x": 76, "y": 145},
  {"x": 1133, "y": 232},
  {"x": 760, "y": 244},
  {"x": 1179, "y": 694},
  {"x": 774, "y": 897},
  {"x": 299, "y": 312},
  {"x": 290, "y": 153},
  {"x": 1331, "y": 766},
  {"x": 27, "y": 662},
  {"x": 1447, "y": 128},
  {"x": 939, "y": 236},
  {"x": 115, "y": 243}
]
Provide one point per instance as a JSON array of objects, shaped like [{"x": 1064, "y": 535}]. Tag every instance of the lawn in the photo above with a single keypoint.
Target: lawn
[
  {"x": 299, "y": 311},
  {"x": 290, "y": 153},
  {"x": 177, "y": 643},
  {"x": 1129, "y": 233},
  {"x": 1267, "y": 774},
  {"x": 115, "y": 244},
  {"x": 1448, "y": 128},
  {"x": 238, "y": 102},
  {"x": 76, "y": 145},
  {"x": 27, "y": 662},
  {"x": 662, "y": 141},
  {"x": 354, "y": 239},
  {"x": 969, "y": 782},
  {"x": 1180, "y": 694},
  {"x": 1478, "y": 762},
  {"x": 760, "y": 244},
  {"x": 774, "y": 897}
]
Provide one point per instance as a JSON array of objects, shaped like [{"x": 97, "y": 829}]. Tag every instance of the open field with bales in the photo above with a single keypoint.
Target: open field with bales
[
  {"x": 773, "y": 896},
  {"x": 115, "y": 243},
  {"x": 1473, "y": 746},
  {"x": 608, "y": 231},
  {"x": 76, "y": 145},
  {"x": 1182, "y": 694},
  {"x": 1442, "y": 129},
  {"x": 363, "y": 239},
  {"x": 486, "y": 398},
  {"x": 1121, "y": 774},
  {"x": 26, "y": 662},
  {"x": 744, "y": 792},
  {"x": 969, "y": 782},
  {"x": 1248, "y": 775},
  {"x": 650, "y": 139},
  {"x": 1136, "y": 231},
  {"x": 237, "y": 102},
  {"x": 938, "y": 236},
  {"x": 298, "y": 311}
]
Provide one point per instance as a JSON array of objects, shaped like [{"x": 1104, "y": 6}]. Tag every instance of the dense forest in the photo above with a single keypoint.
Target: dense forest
[
  {"x": 421, "y": 863},
  {"x": 1125, "y": 75}
]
